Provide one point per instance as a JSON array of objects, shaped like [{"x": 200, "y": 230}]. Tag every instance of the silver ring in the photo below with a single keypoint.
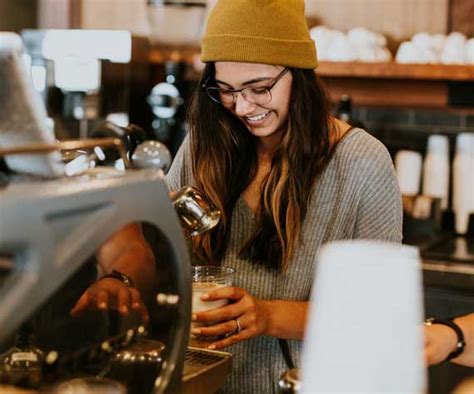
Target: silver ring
[{"x": 239, "y": 327}]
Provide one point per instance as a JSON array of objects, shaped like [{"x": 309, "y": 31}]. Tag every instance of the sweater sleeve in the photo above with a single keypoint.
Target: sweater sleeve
[
  {"x": 179, "y": 174},
  {"x": 380, "y": 214}
]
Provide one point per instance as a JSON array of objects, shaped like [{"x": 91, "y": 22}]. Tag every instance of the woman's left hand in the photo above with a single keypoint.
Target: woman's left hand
[
  {"x": 439, "y": 342},
  {"x": 244, "y": 317}
]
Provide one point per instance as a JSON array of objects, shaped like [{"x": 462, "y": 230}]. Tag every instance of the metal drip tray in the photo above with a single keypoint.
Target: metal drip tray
[{"x": 205, "y": 370}]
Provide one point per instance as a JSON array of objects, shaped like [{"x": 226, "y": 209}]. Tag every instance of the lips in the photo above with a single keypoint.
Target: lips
[{"x": 256, "y": 119}]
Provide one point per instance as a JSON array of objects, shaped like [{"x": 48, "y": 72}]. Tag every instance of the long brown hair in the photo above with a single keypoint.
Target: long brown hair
[{"x": 224, "y": 157}]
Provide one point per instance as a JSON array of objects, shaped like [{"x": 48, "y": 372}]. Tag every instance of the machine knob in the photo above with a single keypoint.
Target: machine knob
[
  {"x": 131, "y": 136},
  {"x": 152, "y": 154}
]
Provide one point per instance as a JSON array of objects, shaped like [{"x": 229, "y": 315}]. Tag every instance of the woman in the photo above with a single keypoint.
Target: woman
[{"x": 286, "y": 176}]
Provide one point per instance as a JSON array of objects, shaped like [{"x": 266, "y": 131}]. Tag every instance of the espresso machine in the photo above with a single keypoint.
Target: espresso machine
[
  {"x": 52, "y": 228},
  {"x": 50, "y": 232},
  {"x": 49, "y": 229}
]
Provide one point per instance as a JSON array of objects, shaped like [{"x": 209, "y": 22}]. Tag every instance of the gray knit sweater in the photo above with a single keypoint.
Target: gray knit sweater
[{"x": 357, "y": 196}]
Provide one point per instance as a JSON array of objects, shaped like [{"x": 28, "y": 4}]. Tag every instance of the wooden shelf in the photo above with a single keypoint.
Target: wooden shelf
[
  {"x": 389, "y": 70},
  {"x": 430, "y": 72},
  {"x": 369, "y": 84},
  {"x": 394, "y": 84},
  {"x": 162, "y": 53}
]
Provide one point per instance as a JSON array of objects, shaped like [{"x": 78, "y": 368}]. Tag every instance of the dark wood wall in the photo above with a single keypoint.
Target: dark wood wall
[
  {"x": 16, "y": 15},
  {"x": 461, "y": 16}
]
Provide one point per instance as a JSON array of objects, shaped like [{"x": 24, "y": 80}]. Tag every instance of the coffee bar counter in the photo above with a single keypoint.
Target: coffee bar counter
[
  {"x": 449, "y": 274},
  {"x": 448, "y": 287},
  {"x": 449, "y": 263}
]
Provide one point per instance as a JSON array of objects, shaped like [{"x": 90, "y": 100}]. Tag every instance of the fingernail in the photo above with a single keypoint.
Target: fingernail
[
  {"x": 195, "y": 331},
  {"x": 212, "y": 347},
  {"x": 136, "y": 305},
  {"x": 205, "y": 297},
  {"x": 124, "y": 309},
  {"x": 194, "y": 318},
  {"x": 102, "y": 305}
]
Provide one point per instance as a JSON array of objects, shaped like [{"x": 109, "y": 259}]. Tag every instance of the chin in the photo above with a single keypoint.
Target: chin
[
  {"x": 268, "y": 131},
  {"x": 262, "y": 131}
]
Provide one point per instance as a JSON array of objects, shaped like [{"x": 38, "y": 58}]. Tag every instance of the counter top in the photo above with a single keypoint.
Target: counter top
[{"x": 448, "y": 274}]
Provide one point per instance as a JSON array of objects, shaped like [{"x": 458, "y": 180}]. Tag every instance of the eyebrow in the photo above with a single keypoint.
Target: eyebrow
[{"x": 252, "y": 81}]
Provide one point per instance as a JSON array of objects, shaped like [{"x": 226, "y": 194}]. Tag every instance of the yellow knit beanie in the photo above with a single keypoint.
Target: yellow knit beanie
[{"x": 259, "y": 31}]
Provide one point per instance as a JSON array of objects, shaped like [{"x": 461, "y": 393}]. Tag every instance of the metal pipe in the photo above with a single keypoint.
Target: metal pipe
[{"x": 39, "y": 147}]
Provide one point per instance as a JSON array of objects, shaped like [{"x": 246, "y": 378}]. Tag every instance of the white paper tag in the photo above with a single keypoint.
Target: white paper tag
[{"x": 24, "y": 356}]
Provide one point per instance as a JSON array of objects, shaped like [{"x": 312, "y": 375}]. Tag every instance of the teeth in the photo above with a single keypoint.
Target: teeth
[{"x": 257, "y": 118}]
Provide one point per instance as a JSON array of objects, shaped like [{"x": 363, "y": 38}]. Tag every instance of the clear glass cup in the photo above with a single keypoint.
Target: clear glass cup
[{"x": 206, "y": 278}]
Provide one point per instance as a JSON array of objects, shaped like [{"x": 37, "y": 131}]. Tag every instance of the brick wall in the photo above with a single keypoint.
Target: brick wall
[{"x": 404, "y": 128}]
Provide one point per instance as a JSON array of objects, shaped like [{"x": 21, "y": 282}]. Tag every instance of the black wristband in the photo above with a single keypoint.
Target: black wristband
[
  {"x": 125, "y": 279},
  {"x": 460, "y": 335}
]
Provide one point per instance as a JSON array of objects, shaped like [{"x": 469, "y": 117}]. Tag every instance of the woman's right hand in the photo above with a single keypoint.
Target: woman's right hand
[{"x": 110, "y": 293}]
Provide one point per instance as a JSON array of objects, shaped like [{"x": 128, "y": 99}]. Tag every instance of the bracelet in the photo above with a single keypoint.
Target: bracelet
[
  {"x": 125, "y": 279},
  {"x": 461, "y": 343}
]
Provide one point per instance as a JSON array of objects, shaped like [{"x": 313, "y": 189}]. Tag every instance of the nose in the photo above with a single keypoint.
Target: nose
[{"x": 242, "y": 106}]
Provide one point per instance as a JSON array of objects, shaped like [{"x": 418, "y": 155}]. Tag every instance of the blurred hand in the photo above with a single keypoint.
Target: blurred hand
[
  {"x": 111, "y": 293},
  {"x": 251, "y": 313},
  {"x": 439, "y": 342}
]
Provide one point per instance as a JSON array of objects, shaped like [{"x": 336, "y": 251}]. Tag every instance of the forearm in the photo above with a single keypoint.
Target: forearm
[
  {"x": 466, "y": 324},
  {"x": 285, "y": 319},
  {"x": 128, "y": 252},
  {"x": 138, "y": 263}
]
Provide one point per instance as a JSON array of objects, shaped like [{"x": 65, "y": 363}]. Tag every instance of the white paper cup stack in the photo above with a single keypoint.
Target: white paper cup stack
[
  {"x": 436, "y": 169},
  {"x": 408, "y": 168},
  {"x": 463, "y": 181}
]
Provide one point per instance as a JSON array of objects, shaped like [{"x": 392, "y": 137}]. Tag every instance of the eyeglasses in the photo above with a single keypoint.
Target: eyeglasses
[{"x": 259, "y": 95}]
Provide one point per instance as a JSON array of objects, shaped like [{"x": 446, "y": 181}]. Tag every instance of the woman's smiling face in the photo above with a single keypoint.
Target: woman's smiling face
[{"x": 262, "y": 120}]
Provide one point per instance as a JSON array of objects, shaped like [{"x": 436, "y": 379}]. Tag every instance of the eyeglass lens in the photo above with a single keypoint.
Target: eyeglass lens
[{"x": 254, "y": 95}]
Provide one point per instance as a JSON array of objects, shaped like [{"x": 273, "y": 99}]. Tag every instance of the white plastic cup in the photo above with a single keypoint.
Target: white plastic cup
[
  {"x": 364, "y": 331},
  {"x": 408, "y": 168}
]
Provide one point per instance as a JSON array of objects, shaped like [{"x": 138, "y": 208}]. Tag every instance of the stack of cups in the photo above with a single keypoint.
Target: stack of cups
[
  {"x": 463, "y": 181},
  {"x": 436, "y": 169},
  {"x": 408, "y": 168}
]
